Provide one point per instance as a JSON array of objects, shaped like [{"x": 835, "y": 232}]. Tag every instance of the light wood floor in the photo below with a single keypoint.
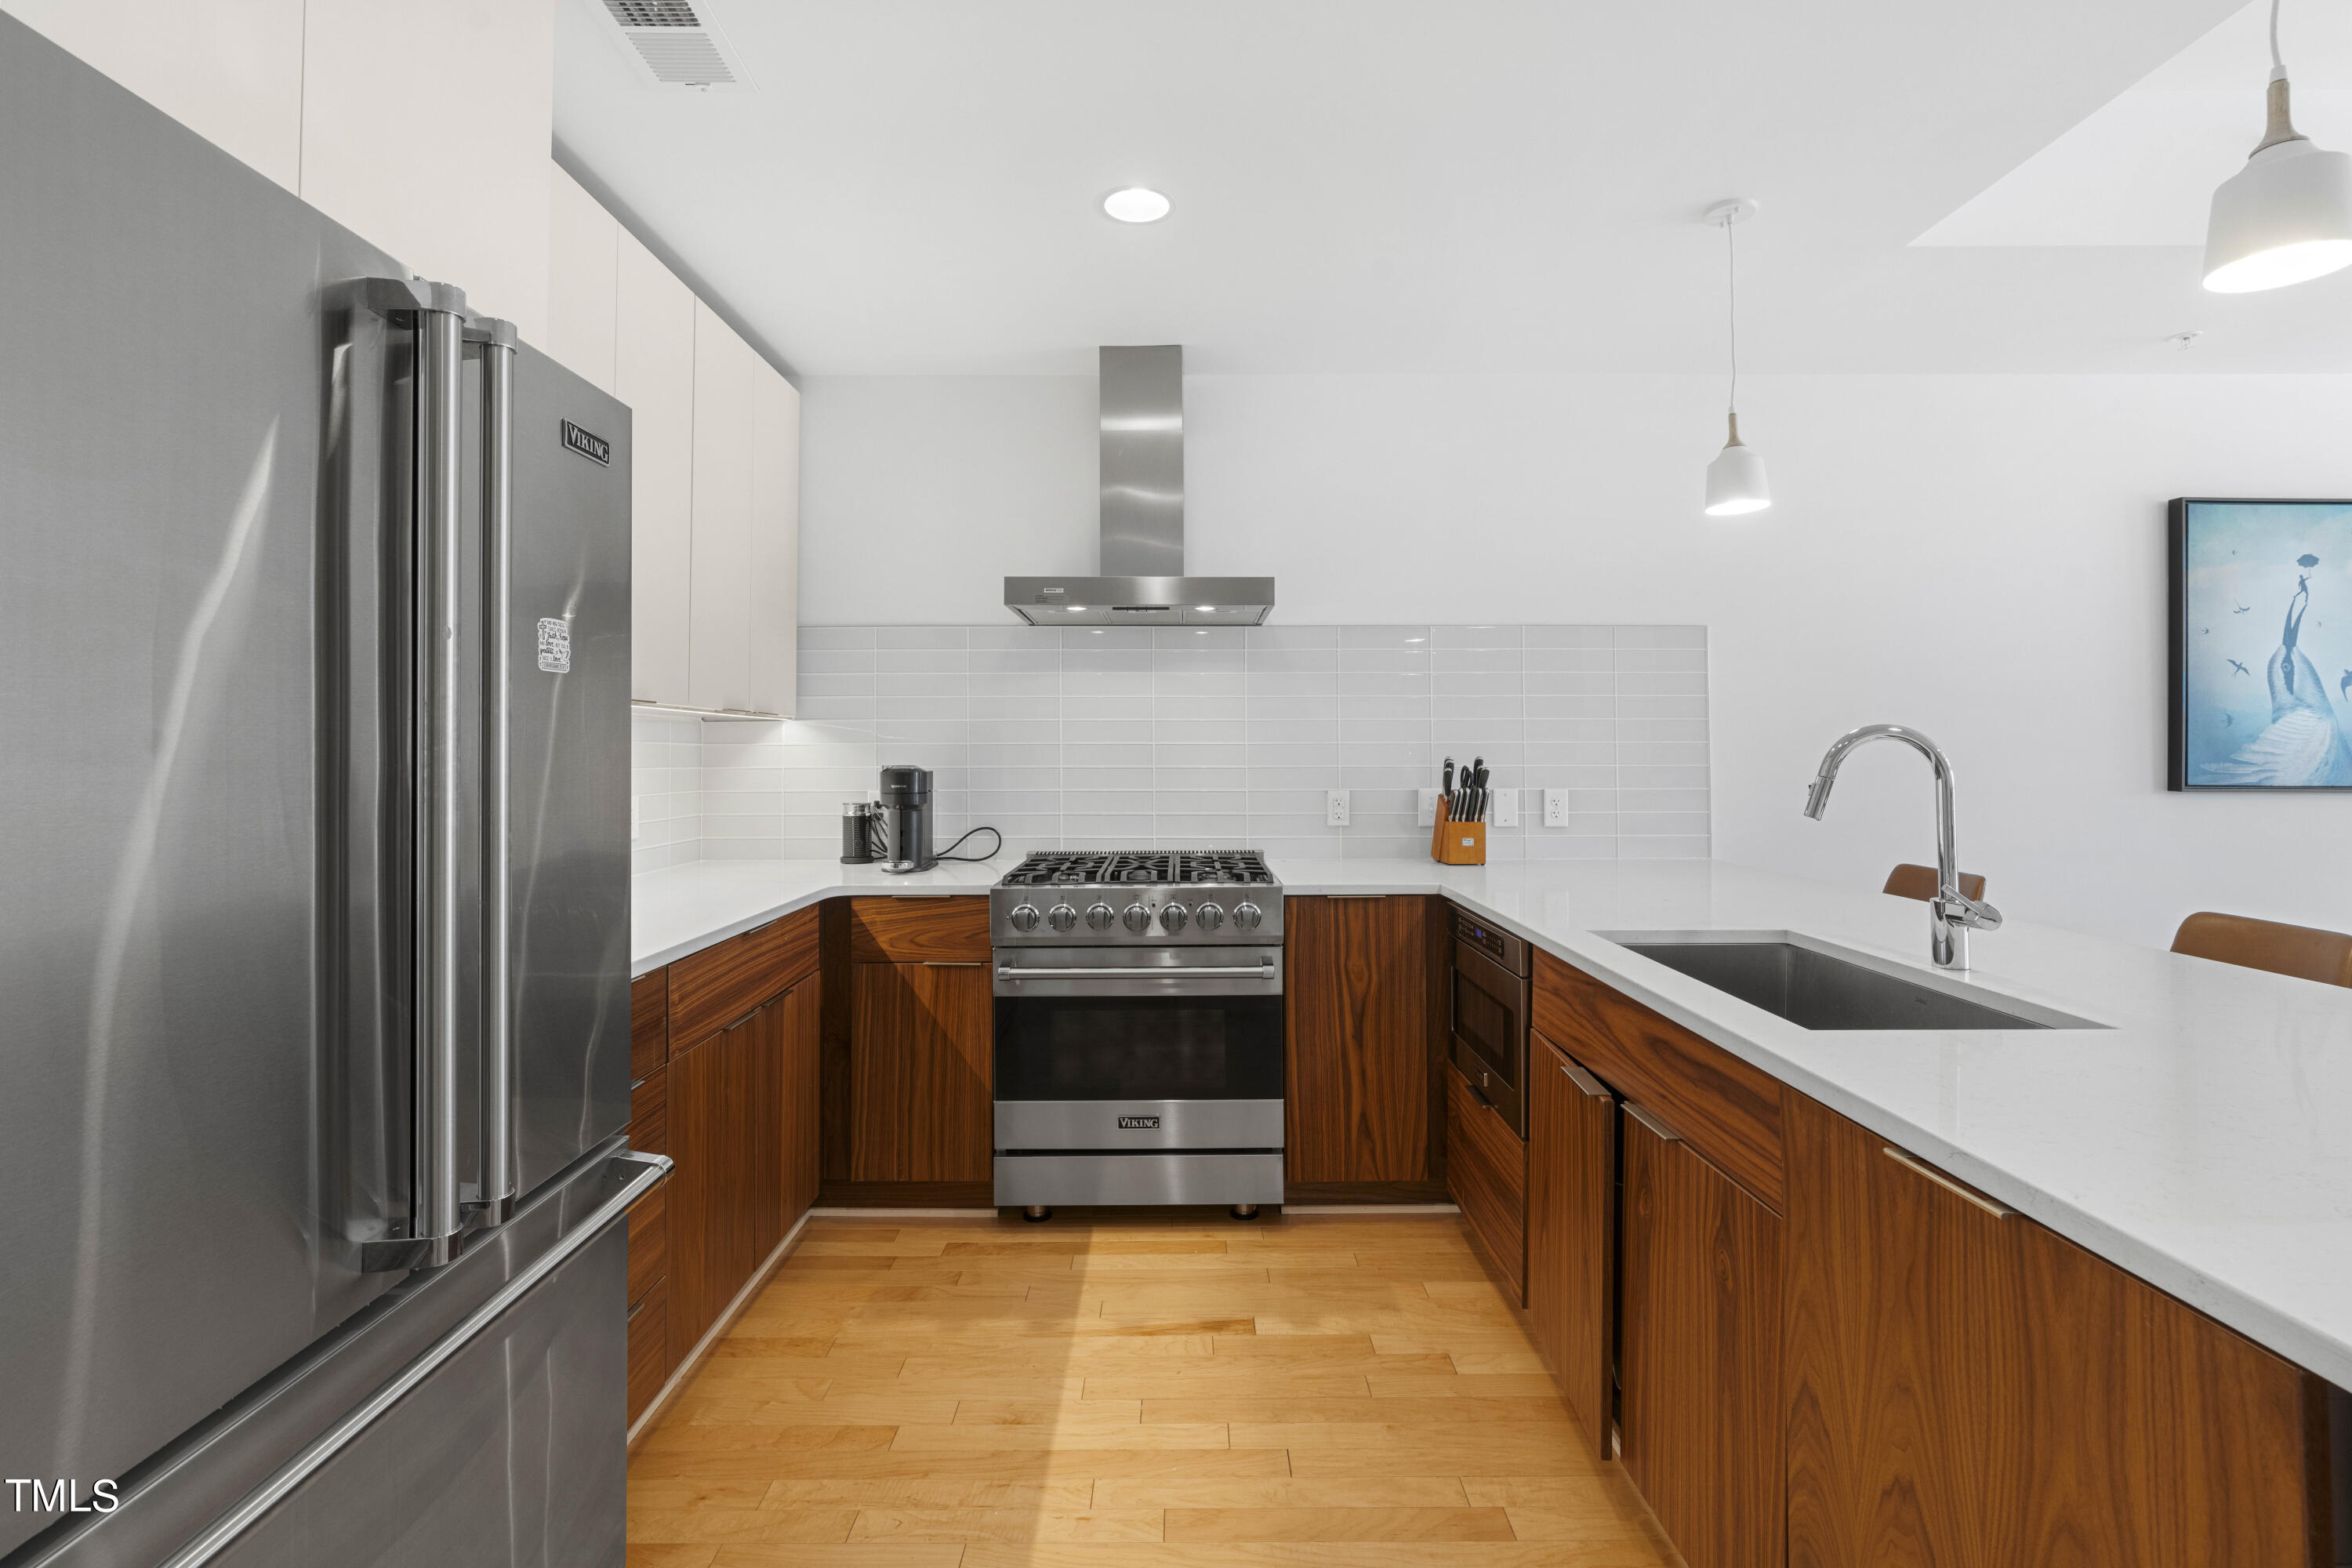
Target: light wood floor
[{"x": 1328, "y": 1391}]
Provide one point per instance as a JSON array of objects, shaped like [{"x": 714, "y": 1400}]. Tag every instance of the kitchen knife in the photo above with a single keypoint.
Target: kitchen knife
[{"x": 1447, "y": 789}]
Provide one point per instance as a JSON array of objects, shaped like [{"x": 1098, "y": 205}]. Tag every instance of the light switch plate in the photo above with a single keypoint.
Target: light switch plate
[
  {"x": 1335, "y": 808},
  {"x": 1428, "y": 807},
  {"x": 1503, "y": 811},
  {"x": 1555, "y": 808}
]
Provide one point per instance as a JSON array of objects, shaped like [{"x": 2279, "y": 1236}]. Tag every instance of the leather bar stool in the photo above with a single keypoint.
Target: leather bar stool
[
  {"x": 1909, "y": 881},
  {"x": 2305, "y": 951}
]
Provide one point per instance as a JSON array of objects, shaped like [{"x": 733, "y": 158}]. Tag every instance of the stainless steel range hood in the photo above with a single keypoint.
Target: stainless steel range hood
[{"x": 1142, "y": 582}]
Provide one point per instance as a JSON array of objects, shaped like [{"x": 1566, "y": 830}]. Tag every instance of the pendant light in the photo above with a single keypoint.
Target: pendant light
[
  {"x": 2286, "y": 217},
  {"x": 1735, "y": 480}
]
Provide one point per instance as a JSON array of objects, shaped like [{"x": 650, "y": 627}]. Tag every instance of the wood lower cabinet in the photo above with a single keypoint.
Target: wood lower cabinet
[
  {"x": 922, "y": 1067},
  {"x": 1486, "y": 1172},
  {"x": 1966, "y": 1388},
  {"x": 801, "y": 1109},
  {"x": 1701, "y": 1352},
  {"x": 1356, "y": 997},
  {"x": 727, "y": 1133},
  {"x": 1572, "y": 1234}
]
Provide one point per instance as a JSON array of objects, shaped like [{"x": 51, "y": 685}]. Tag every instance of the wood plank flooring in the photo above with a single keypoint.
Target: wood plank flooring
[{"x": 1323, "y": 1392}]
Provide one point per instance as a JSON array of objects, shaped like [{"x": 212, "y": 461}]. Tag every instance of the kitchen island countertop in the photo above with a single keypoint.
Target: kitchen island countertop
[{"x": 2201, "y": 1139}]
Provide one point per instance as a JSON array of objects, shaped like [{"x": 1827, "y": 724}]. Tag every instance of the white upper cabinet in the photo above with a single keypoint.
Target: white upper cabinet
[
  {"x": 422, "y": 127},
  {"x": 775, "y": 541},
  {"x": 653, "y": 372},
  {"x": 746, "y": 525},
  {"x": 583, "y": 282},
  {"x": 721, "y": 639},
  {"x": 229, "y": 71}
]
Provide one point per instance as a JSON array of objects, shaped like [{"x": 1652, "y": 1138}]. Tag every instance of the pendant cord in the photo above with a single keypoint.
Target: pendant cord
[
  {"x": 1731, "y": 305},
  {"x": 2278, "y": 66}
]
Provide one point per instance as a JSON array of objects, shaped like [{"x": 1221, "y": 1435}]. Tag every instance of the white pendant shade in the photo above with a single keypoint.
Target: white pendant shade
[
  {"x": 2283, "y": 218},
  {"x": 1735, "y": 480}
]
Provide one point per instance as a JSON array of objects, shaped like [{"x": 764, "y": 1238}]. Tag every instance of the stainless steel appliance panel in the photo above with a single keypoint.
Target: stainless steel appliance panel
[
  {"x": 568, "y": 728},
  {"x": 1139, "y": 1124},
  {"x": 1047, "y": 1179},
  {"x": 166, "y": 1137},
  {"x": 203, "y": 1496},
  {"x": 511, "y": 1454}
]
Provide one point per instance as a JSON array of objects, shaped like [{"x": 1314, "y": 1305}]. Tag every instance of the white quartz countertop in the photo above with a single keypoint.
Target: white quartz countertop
[{"x": 2202, "y": 1140}]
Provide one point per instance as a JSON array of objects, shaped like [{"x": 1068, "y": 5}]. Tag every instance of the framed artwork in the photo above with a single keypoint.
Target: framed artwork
[{"x": 2261, "y": 643}]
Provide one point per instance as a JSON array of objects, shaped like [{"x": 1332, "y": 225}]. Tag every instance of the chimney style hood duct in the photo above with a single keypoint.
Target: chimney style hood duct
[{"x": 1142, "y": 582}]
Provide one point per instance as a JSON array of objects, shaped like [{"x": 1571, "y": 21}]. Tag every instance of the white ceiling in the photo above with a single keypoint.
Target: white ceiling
[
  {"x": 913, "y": 187},
  {"x": 2141, "y": 169}
]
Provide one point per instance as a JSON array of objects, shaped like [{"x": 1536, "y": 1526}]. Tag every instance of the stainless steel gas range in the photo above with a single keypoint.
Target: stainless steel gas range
[{"x": 1138, "y": 1029}]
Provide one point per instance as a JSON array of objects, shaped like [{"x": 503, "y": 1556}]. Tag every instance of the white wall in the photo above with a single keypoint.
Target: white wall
[{"x": 1980, "y": 556}]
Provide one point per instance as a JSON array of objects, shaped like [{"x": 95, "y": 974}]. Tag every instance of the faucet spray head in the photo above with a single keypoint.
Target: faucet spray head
[{"x": 1817, "y": 794}]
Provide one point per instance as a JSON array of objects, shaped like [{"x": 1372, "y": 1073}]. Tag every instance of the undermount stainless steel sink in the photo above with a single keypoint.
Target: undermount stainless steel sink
[{"x": 1815, "y": 985}]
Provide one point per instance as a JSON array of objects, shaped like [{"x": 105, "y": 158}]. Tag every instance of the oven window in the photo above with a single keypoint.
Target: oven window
[
  {"x": 1138, "y": 1047},
  {"x": 1485, "y": 1023}
]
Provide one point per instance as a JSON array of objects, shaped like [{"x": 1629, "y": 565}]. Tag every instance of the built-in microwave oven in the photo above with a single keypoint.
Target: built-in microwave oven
[{"x": 1490, "y": 1012}]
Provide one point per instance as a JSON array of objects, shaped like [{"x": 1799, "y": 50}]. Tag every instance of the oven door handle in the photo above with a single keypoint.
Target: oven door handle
[{"x": 1260, "y": 970}]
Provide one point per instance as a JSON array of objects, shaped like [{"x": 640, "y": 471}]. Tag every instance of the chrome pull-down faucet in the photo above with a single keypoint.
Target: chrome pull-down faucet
[{"x": 1951, "y": 911}]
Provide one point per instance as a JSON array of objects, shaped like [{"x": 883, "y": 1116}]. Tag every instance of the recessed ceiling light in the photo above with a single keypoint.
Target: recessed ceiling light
[{"x": 1136, "y": 205}]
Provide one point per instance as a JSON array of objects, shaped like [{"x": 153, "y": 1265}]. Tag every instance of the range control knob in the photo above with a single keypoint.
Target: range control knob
[
  {"x": 1210, "y": 916},
  {"x": 1174, "y": 917},
  {"x": 1061, "y": 916},
  {"x": 1137, "y": 918},
  {"x": 1024, "y": 917},
  {"x": 1246, "y": 916},
  {"x": 1099, "y": 916}
]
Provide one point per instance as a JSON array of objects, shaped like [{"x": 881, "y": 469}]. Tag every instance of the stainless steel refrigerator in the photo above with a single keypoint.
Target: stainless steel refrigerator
[{"x": 314, "y": 658}]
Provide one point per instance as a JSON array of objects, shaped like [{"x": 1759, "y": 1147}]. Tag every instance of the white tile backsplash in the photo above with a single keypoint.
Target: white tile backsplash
[{"x": 1174, "y": 736}]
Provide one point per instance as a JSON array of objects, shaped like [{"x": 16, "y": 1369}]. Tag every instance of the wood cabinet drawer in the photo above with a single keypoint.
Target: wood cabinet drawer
[
  {"x": 649, "y": 1114},
  {"x": 726, "y": 981},
  {"x": 650, "y": 1362},
  {"x": 648, "y": 1023},
  {"x": 649, "y": 1243},
  {"x": 917, "y": 930},
  {"x": 1730, "y": 1111},
  {"x": 1486, "y": 1172}
]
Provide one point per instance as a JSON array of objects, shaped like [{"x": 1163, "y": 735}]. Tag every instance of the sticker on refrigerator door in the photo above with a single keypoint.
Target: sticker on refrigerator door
[
  {"x": 588, "y": 444},
  {"x": 555, "y": 646}
]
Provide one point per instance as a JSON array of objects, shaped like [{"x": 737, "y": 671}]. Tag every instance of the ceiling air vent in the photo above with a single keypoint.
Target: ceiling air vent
[{"x": 676, "y": 45}]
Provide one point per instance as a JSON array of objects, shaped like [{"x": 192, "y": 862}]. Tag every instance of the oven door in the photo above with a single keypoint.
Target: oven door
[
  {"x": 1490, "y": 1022},
  {"x": 1138, "y": 1049}
]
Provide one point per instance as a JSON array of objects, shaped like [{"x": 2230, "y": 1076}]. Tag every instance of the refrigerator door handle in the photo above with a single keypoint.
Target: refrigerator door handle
[
  {"x": 495, "y": 341},
  {"x": 436, "y": 314},
  {"x": 642, "y": 1172}
]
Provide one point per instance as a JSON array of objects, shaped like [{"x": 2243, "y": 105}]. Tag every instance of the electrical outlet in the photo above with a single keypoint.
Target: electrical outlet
[
  {"x": 1555, "y": 808},
  {"x": 1503, "y": 811},
  {"x": 1335, "y": 808},
  {"x": 1428, "y": 807}
]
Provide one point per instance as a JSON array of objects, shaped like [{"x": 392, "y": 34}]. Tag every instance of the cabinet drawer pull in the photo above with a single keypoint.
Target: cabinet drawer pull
[
  {"x": 1584, "y": 1080},
  {"x": 955, "y": 963},
  {"x": 1998, "y": 1211},
  {"x": 637, "y": 1306},
  {"x": 1650, "y": 1121},
  {"x": 902, "y": 897},
  {"x": 1356, "y": 895}
]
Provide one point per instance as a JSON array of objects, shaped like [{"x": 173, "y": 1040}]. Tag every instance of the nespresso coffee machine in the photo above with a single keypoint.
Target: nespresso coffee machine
[{"x": 906, "y": 813}]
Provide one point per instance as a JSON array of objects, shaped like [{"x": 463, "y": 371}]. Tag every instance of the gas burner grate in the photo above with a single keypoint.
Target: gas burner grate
[{"x": 1139, "y": 868}]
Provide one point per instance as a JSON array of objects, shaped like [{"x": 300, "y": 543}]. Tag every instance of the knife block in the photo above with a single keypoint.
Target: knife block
[{"x": 1454, "y": 843}]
